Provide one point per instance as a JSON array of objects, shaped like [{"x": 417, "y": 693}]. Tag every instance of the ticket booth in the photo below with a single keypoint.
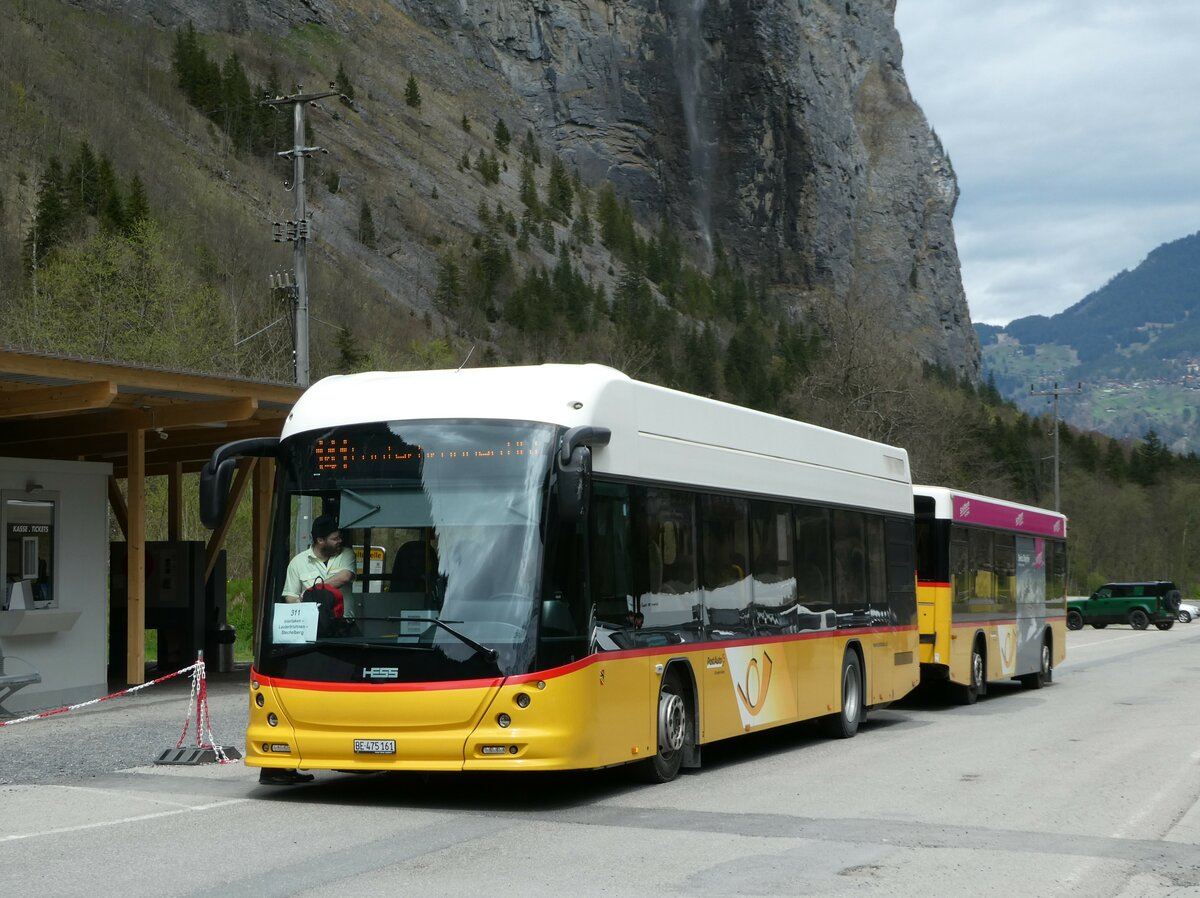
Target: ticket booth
[{"x": 54, "y": 521}]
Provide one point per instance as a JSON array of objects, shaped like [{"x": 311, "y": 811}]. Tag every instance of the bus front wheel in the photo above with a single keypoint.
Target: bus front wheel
[
  {"x": 844, "y": 724},
  {"x": 674, "y": 728}
]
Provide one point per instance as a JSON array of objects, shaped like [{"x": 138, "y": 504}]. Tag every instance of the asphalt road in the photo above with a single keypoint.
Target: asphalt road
[{"x": 1088, "y": 787}]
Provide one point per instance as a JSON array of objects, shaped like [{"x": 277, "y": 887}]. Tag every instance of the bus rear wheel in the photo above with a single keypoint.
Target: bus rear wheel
[
  {"x": 845, "y": 723},
  {"x": 674, "y": 728},
  {"x": 969, "y": 694},
  {"x": 1044, "y": 673}
]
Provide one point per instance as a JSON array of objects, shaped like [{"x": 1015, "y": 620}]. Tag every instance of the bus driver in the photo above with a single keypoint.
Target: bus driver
[{"x": 328, "y": 560}]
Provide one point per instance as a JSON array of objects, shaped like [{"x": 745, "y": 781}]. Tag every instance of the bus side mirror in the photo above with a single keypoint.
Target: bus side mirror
[
  {"x": 574, "y": 486},
  {"x": 574, "y": 462},
  {"x": 214, "y": 491},
  {"x": 217, "y": 475}
]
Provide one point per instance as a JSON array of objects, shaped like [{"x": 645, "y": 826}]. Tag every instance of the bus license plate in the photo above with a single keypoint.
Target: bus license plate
[{"x": 374, "y": 746}]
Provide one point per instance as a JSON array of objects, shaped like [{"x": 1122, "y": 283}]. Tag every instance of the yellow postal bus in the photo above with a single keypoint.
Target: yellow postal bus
[
  {"x": 577, "y": 571},
  {"x": 991, "y": 590}
]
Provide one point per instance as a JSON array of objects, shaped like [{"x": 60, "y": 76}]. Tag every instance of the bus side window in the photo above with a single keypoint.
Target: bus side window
[
  {"x": 610, "y": 538},
  {"x": 814, "y": 585},
  {"x": 851, "y": 599}
]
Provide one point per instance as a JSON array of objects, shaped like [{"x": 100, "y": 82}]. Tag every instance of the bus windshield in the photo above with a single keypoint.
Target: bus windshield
[{"x": 442, "y": 523}]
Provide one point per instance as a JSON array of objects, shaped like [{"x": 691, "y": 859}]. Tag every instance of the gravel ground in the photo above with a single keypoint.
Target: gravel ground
[{"x": 123, "y": 732}]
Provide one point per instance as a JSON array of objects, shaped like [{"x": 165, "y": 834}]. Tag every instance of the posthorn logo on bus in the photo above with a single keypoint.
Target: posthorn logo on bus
[
  {"x": 964, "y": 510},
  {"x": 1021, "y": 519}
]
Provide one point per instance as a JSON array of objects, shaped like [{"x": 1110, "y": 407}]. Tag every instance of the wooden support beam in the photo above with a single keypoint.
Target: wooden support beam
[
  {"x": 240, "y": 482},
  {"x": 183, "y": 414},
  {"x": 145, "y": 379},
  {"x": 175, "y": 502},
  {"x": 135, "y": 653},
  {"x": 55, "y": 400},
  {"x": 116, "y": 501},
  {"x": 108, "y": 447}
]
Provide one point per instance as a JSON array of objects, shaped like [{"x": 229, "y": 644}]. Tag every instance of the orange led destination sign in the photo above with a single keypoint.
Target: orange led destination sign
[{"x": 344, "y": 455}]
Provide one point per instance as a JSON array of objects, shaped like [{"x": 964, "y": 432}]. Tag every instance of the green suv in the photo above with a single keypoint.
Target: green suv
[{"x": 1137, "y": 604}]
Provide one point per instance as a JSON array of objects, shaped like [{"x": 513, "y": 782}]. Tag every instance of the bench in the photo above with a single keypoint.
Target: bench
[{"x": 10, "y": 683}]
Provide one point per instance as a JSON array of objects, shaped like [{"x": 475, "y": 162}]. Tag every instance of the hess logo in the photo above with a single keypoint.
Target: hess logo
[{"x": 753, "y": 688}]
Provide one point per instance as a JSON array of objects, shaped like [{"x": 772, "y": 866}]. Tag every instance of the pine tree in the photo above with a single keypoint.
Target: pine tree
[
  {"x": 82, "y": 191},
  {"x": 137, "y": 206},
  {"x": 502, "y": 136},
  {"x": 111, "y": 205},
  {"x": 342, "y": 83},
  {"x": 366, "y": 225},
  {"x": 449, "y": 287},
  {"x": 412, "y": 93},
  {"x": 529, "y": 194},
  {"x": 529, "y": 148},
  {"x": 50, "y": 218},
  {"x": 558, "y": 190},
  {"x": 350, "y": 357}
]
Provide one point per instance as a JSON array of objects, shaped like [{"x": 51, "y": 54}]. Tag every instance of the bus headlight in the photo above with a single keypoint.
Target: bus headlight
[
  {"x": 272, "y": 720},
  {"x": 522, "y": 700},
  {"x": 503, "y": 719}
]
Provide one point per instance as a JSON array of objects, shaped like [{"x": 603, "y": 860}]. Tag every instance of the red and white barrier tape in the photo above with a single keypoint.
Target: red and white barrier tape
[
  {"x": 198, "y": 666},
  {"x": 199, "y": 701}
]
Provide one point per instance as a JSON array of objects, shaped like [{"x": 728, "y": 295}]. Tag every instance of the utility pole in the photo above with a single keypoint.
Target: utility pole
[
  {"x": 1056, "y": 392},
  {"x": 297, "y": 230}
]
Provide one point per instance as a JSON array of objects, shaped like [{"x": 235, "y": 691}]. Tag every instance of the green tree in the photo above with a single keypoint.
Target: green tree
[
  {"x": 126, "y": 297},
  {"x": 530, "y": 149},
  {"x": 412, "y": 92},
  {"x": 343, "y": 84},
  {"x": 81, "y": 185},
  {"x": 137, "y": 206},
  {"x": 449, "y": 286},
  {"x": 502, "y": 136},
  {"x": 558, "y": 191},
  {"x": 112, "y": 205},
  {"x": 51, "y": 217},
  {"x": 366, "y": 225},
  {"x": 350, "y": 357}
]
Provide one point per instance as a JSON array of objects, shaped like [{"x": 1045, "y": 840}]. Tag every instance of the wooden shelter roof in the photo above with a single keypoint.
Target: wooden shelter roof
[{"x": 69, "y": 407}]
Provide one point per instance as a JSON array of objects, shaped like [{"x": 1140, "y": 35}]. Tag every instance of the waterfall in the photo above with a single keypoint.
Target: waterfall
[{"x": 689, "y": 69}]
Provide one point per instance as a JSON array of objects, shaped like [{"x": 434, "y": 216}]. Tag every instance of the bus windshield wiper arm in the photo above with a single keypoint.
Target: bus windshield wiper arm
[{"x": 490, "y": 654}]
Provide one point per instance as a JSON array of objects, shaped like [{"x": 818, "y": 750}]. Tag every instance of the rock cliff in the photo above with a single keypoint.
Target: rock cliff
[{"x": 784, "y": 129}]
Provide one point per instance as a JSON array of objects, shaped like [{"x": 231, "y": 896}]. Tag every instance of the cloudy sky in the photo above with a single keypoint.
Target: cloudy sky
[{"x": 1074, "y": 129}]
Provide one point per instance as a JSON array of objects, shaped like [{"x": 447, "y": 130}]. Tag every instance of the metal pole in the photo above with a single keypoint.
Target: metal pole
[
  {"x": 299, "y": 259},
  {"x": 297, "y": 230},
  {"x": 1056, "y": 392}
]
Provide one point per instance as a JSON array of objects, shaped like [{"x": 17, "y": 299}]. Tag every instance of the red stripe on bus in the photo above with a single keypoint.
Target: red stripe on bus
[{"x": 574, "y": 666}]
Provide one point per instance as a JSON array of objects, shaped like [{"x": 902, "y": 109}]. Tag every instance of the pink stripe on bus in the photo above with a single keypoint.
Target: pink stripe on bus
[{"x": 972, "y": 510}]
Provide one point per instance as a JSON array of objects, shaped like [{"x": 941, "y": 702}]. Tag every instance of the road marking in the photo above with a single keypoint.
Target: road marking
[
  {"x": 1092, "y": 645},
  {"x": 137, "y": 819}
]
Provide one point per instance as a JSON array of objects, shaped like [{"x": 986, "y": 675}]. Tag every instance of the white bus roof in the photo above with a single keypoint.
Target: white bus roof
[
  {"x": 986, "y": 511},
  {"x": 658, "y": 434}
]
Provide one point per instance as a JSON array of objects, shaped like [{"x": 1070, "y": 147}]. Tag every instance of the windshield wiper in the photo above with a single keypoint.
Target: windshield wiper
[
  {"x": 488, "y": 653},
  {"x": 291, "y": 651}
]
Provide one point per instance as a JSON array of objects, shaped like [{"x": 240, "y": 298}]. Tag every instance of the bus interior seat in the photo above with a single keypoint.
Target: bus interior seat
[
  {"x": 556, "y": 617},
  {"x": 408, "y": 570}
]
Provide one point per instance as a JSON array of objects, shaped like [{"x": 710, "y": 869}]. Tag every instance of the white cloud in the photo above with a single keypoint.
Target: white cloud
[{"x": 1073, "y": 128}]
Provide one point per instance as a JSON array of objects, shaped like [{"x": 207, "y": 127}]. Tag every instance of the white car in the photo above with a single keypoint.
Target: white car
[{"x": 1188, "y": 612}]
